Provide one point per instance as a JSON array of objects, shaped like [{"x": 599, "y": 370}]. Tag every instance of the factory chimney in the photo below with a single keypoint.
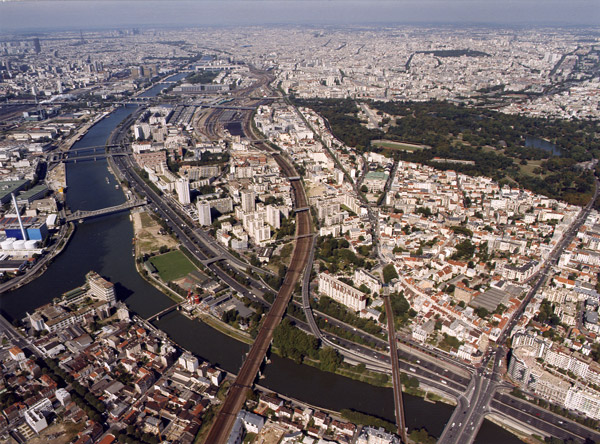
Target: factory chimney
[{"x": 23, "y": 232}]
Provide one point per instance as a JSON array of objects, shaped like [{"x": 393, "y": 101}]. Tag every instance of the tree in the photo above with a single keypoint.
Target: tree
[
  {"x": 293, "y": 343},
  {"x": 389, "y": 273},
  {"x": 425, "y": 211},
  {"x": 364, "y": 189},
  {"x": 464, "y": 250},
  {"x": 330, "y": 359},
  {"x": 482, "y": 312}
]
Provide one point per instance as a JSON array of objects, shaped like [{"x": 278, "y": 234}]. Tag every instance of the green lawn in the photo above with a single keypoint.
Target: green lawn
[
  {"x": 172, "y": 266},
  {"x": 388, "y": 144},
  {"x": 531, "y": 165}
]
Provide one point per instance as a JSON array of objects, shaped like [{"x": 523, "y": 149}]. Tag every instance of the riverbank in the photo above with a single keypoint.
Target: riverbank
[
  {"x": 104, "y": 244},
  {"x": 348, "y": 371},
  {"x": 83, "y": 129},
  {"x": 42, "y": 265}
]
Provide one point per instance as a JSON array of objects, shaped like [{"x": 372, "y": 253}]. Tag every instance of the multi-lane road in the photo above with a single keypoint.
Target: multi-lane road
[
  {"x": 465, "y": 421},
  {"x": 477, "y": 396}
]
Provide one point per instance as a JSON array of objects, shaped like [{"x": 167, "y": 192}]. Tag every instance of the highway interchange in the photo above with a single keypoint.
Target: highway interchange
[{"x": 478, "y": 391}]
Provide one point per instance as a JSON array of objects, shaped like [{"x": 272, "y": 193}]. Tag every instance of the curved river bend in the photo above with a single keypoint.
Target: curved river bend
[{"x": 105, "y": 244}]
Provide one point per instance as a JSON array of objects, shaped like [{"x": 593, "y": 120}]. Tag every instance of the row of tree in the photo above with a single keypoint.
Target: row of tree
[{"x": 461, "y": 133}]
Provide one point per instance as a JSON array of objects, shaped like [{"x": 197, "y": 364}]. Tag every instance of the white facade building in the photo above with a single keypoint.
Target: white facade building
[
  {"x": 188, "y": 362},
  {"x": 182, "y": 186},
  {"x": 248, "y": 201},
  {"x": 341, "y": 292},
  {"x": 273, "y": 217},
  {"x": 101, "y": 288},
  {"x": 204, "y": 217}
]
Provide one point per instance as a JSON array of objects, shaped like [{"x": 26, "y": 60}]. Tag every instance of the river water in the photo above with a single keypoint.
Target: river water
[{"x": 105, "y": 245}]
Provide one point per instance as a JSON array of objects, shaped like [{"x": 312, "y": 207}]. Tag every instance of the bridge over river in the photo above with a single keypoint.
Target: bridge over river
[{"x": 81, "y": 214}]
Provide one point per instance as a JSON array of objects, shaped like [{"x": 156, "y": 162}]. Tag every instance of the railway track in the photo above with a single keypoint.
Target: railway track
[
  {"x": 236, "y": 397},
  {"x": 223, "y": 424}
]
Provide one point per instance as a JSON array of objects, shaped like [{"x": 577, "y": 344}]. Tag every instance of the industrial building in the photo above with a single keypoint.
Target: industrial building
[
  {"x": 35, "y": 228},
  {"x": 8, "y": 187},
  {"x": 34, "y": 193}
]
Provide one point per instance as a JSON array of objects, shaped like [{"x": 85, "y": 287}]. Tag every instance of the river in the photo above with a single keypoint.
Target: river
[
  {"x": 104, "y": 245},
  {"x": 156, "y": 89}
]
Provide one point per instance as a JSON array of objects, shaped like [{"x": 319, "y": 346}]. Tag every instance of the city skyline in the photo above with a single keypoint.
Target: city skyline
[
  {"x": 28, "y": 16},
  {"x": 406, "y": 208}
]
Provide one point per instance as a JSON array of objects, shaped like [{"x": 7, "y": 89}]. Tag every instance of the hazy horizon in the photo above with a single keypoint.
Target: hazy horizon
[{"x": 51, "y": 15}]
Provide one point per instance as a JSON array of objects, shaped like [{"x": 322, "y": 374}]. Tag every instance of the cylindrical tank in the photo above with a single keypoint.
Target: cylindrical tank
[
  {"x": 31, "y": 244},
  {"x": 8, "y": 243},
  {"x": 18, "y": 245}
]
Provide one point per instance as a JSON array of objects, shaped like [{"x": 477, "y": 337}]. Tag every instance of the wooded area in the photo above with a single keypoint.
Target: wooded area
[{"x": 495, "y": 142}]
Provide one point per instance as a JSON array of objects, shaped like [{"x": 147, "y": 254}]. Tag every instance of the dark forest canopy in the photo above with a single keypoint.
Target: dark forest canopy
[{"x": 494, "y": 141}]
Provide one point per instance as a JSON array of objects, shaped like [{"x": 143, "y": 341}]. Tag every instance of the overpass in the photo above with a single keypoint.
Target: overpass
[
  {"x": 238, "y": 108},
  {"x": 212, "y": 260},
  {"x": 81, "y": 214},
  {"x": 94, "y": 148},
  {"x": 88, "y": 153}
]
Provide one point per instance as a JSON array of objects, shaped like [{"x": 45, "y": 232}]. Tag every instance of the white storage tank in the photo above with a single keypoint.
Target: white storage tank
[
  {"x": 31, "y": 244},
  {"x": 18, "y": 245},
  {"x": 8, "y": 243}
]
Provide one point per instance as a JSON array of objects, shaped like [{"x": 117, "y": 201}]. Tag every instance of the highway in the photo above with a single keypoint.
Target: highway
[
  {"x": 477, "y": 399},
  {"x": 541, "y": 419},
  {"x": 467, "y": 418}
]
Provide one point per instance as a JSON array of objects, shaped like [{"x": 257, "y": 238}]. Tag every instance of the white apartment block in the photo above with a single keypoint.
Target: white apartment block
[
  {"x": 273, "y": 217},
  {"x": 182, "y": 186},
  {"x": 248, "y": 201},
  {"x": 561, "y": 358},
  {"x": 364, "y": 277},
  {"x": 371, "y": 435},
  {"x": 343, "y": 293},
  {"x": 204, "y": 217},
  {"x": 583, "y": 401},
  {"x": 188, "y": 362},
  {"x": 101, "y": 288}
]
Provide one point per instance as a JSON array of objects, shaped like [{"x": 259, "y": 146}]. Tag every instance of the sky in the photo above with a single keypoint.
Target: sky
[{"x": 43, "y": 15}]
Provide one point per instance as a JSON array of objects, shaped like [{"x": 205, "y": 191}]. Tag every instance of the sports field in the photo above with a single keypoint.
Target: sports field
[{"x": 172, "y": 266}]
